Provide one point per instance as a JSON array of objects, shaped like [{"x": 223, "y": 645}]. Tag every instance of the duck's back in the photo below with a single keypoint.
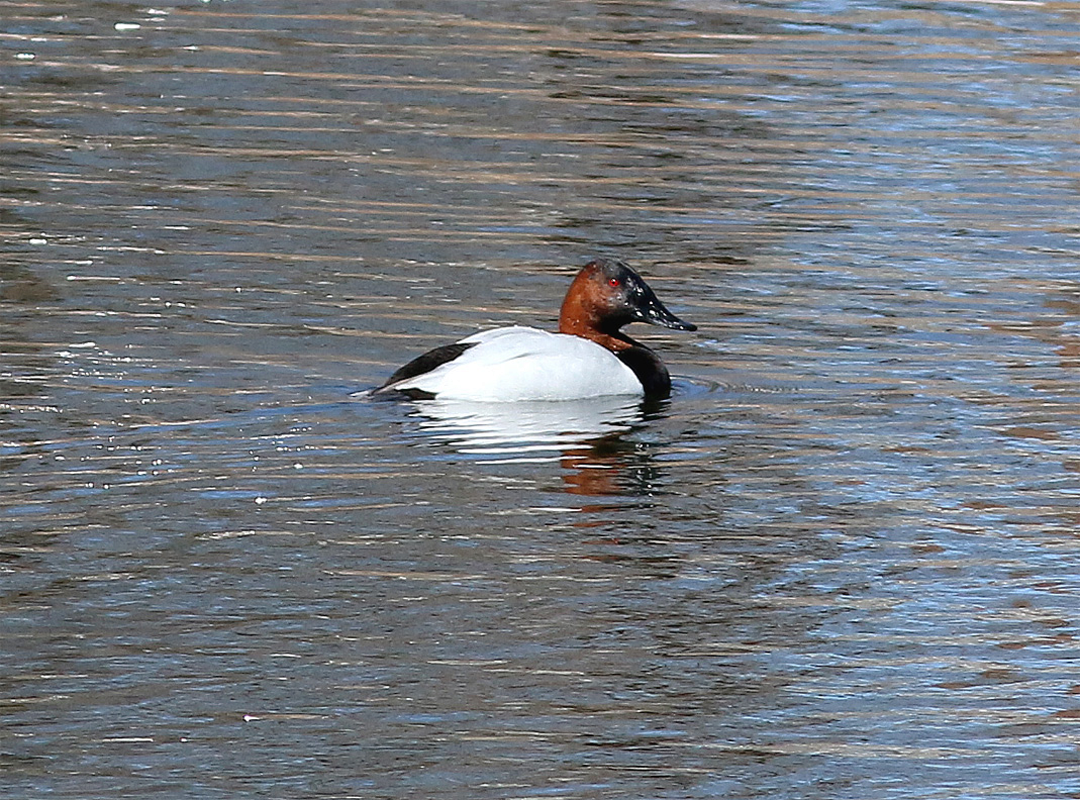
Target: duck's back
[{"x": 518, "y": 363}]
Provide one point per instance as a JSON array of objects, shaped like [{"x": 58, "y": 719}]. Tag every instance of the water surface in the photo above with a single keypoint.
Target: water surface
[{"x": 840, "y": 562}]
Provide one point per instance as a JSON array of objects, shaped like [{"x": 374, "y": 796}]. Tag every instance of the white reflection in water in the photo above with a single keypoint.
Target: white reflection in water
[{"x": 540, "y": 430}]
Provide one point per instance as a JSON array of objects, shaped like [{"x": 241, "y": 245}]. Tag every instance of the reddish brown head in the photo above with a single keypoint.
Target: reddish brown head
[{"x": 606, "y": 295}]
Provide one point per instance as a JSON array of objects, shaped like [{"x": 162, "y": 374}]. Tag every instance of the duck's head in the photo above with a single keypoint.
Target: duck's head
[{"x": 606, "y": 295}]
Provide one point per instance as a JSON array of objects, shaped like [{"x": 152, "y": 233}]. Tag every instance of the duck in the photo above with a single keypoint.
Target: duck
[{"x": 588, "y": 357}]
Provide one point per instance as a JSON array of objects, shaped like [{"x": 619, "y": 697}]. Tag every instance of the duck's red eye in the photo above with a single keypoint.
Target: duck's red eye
[{"x": 613, "y": 282}]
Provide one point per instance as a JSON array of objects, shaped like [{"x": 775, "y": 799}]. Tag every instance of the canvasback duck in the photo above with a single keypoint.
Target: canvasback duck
[{"x": 589, "y": 357}]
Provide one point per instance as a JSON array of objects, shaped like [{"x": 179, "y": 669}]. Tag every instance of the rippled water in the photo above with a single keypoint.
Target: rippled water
[{"x": 840, "y": 562}]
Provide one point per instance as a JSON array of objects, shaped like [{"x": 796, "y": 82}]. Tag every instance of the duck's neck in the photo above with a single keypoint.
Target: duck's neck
[{"x": 615, "y": 342}]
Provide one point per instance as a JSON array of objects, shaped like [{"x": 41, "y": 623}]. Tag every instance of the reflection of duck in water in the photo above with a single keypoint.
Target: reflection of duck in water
[
  {"x": 607, "y": 467},
  {"x": 521, "y": 428},
  {"x": 588, "y": 357},
  {"x": 586, "y": 437}
]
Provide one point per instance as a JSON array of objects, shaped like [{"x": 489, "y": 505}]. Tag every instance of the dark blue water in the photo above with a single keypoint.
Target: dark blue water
[{"x": 840, "y": 562}]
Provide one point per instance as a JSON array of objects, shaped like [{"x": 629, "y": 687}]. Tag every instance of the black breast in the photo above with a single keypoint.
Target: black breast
[{"x": 648, "y": 367}]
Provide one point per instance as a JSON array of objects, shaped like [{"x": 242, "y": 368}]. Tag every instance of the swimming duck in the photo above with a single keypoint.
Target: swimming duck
[{"x": 589, "y": 357}]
